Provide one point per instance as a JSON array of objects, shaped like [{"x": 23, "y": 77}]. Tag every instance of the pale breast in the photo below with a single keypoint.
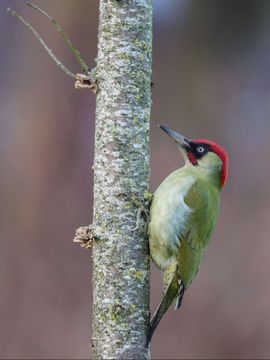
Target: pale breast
[{"x": 169, "y": 218}]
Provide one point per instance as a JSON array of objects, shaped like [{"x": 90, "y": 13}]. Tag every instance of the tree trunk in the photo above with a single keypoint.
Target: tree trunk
[{"x": 121, "y": 166}]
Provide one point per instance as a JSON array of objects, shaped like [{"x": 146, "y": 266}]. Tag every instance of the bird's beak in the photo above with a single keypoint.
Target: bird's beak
[{"x": 180, "y": 139}]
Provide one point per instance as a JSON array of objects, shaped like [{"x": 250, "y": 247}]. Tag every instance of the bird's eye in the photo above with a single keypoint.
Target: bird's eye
[{"x": 200, "y": 149}]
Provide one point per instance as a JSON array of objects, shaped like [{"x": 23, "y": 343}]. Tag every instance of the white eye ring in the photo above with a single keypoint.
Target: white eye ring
[{"x": 200, "y": 149}]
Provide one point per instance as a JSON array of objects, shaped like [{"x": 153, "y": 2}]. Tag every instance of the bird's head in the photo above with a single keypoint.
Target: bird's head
[{"x": 201, "y": 152}]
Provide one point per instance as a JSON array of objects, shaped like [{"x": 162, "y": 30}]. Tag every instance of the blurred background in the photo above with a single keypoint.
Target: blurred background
[{"x": 211, "y": 70}]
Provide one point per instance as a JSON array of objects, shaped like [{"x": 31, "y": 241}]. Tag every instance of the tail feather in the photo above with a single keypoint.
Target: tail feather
[
  {"x": 174, "y": 290},
  {"x": 179, "y": 299}
]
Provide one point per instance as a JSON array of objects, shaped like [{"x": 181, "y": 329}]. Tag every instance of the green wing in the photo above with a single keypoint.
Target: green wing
[{"x": 203, "y": 200}]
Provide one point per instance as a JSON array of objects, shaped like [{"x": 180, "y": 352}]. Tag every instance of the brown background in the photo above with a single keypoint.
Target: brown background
[{"x": 212, "y": 79}]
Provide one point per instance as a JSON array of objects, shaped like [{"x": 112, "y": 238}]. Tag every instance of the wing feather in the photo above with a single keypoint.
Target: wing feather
[{"x": 203, "y": 202}]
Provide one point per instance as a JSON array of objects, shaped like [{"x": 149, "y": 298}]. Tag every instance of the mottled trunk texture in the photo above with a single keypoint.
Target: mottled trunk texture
[{"x": 121, "y": 255}]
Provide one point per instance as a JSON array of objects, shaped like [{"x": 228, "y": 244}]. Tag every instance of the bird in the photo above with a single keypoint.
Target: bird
[{"x": 183, "y": 216}]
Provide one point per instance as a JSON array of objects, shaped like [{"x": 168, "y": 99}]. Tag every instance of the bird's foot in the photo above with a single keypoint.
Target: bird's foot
[{"x": 143, "y": 205}]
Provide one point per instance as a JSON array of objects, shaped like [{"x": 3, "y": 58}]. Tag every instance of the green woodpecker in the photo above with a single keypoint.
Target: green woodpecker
[{"x": 183, "y": 215}]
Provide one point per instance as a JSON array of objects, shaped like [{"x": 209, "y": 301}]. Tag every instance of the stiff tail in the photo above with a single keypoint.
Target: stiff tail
[
  {"x": 175, "y": 289},
  {"x": 179, "y": 299}
]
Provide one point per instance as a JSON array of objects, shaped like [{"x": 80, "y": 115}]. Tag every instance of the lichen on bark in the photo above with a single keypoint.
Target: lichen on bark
[{"x": 121, "y": 166}]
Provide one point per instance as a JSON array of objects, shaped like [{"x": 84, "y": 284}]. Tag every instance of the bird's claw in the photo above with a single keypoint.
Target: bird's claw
[{"x": 143, "y": 206}]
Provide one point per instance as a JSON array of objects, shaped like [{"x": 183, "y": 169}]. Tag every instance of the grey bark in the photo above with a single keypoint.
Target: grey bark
[{"x": 121, "y": 166}]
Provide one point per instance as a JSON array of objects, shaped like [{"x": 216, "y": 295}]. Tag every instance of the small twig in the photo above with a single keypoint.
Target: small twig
[
  {"x": 83, "y": 237},
  {"x": 49, "y": 51},
  {"x": 86, "y": 82},
  {"x": 74, "y": 51}
]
